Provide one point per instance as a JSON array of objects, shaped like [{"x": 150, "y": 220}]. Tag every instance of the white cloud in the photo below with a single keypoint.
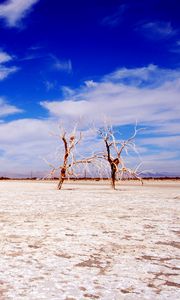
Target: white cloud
[
  {"x": 4, "y": 57},
  {"x": 63, "y": 65},
  {"x": 25, "y": 143},
  {"x": 13, "y": 11},
  {"x": 168, "y": 128},
  {"x": 151, "y": 76},
  {"x": 124, "y": 96},
  {"x": 158, "y": 30},
  {"x": 7, "y": 109},
  {"x": 5, "y": 70},
  {"x": 59, "y": 64},
  {"x": 166, "y": 142},
  {"x": 90, "y": 83},
  {"x": 67, "y": 91},
  {"x": 68, "y": 108},
  {"x": 150, "y": 95}
]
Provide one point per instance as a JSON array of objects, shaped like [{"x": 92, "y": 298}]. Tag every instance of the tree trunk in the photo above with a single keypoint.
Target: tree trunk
[
  {"x": 113, "y": 179},
  {"x": 114, "y": 169},
  {"x": 61, "y": 178},
  {"x": 113, "y": 176}
]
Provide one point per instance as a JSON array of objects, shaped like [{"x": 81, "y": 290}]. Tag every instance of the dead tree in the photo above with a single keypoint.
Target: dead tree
[
  {"x": 69, "y": 145},
  {"x": 68, "y": 157},
  {"x": 113, "y": 154}
]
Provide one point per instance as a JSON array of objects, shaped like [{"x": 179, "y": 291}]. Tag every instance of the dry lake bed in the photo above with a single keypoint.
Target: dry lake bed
[{"x": 89, "y": 242}]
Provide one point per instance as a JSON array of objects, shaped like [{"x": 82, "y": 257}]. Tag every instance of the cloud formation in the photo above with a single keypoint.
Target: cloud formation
[
  {"x": 148, "y": 94},
  {"x": 61, "y": 65},
  {"x": 124, "y": 96},
  {"x": 24, "y": 144},
  {"x": 7, "y": 109},
  {"x": 158, "y": 30},
  {"x": 4, "y": 57},
  {"x": 13, "y": 11},
  {"x": 5, "y": 70}
]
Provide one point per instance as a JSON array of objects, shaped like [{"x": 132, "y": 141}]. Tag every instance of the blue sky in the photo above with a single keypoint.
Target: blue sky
[{"x": 63, "y": 61}]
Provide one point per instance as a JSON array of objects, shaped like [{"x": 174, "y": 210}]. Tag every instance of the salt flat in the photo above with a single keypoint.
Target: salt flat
[{"x": 89, "y": 242}]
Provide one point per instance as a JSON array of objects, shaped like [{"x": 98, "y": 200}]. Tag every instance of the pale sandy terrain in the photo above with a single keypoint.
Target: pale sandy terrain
[{"x": 89, "y": 242}]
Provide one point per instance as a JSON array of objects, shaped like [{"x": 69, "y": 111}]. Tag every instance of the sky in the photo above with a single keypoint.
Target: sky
[{"x": 89, "y": 62}]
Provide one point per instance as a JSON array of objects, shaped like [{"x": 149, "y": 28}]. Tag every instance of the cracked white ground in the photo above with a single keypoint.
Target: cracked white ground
[{"x": 89, "y": 242}]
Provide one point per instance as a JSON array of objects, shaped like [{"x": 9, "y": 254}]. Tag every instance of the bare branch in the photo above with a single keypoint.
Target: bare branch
[
  {"x": 70, "y": 141},
  {"x": 111, "y": 144}
]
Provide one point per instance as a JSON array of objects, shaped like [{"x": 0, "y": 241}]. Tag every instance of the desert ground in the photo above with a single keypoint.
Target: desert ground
[{"x": 88, "y": 241}]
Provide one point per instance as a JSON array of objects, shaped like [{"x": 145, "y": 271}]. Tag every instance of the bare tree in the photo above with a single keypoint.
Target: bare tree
[
  {"x": 68, "y": 164},
  {"x": 113, "y": 153},
  {"x": 68, "y": 157}
]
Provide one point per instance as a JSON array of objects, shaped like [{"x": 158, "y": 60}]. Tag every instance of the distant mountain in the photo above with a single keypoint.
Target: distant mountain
[
  {"x": 23, "y": 175},
  {"x": 45, "y": 173},
  {"x": 160, "y": 175}
]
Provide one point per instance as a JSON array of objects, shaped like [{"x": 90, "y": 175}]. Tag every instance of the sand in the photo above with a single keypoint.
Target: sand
[{"x": 89, "y": 242}]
